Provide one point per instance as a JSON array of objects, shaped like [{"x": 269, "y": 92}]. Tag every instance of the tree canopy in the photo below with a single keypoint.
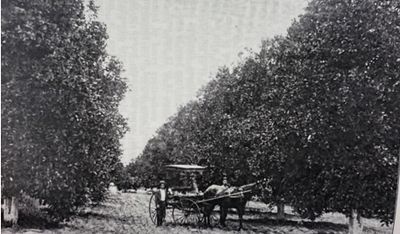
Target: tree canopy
[
  {"x": 60, "y": 95},
  {"x": 316, "y": 111}
]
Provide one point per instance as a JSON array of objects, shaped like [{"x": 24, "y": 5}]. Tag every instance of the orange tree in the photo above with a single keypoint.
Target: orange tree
[
  {"x": 340, "y": 68},
  {"x": 60, "y": 95},
  {"x": 175, "y": 142},
  {"x": 314, "y": 111}
]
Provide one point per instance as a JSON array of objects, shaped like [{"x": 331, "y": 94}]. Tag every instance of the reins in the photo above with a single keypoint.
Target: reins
[
  {"x": 235, "y": 194},
  {"x": 231, "y": 195}
]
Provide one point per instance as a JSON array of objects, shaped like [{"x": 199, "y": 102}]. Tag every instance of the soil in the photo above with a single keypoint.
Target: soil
[{"x": 128, "y": 213}]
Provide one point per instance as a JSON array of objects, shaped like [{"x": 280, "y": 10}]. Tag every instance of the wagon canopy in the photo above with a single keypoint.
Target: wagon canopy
[{"x": 185, "y": 167}]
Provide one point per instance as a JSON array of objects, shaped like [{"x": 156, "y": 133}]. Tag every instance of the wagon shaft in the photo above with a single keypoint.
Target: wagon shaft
[{"x": 232, "y": 195}]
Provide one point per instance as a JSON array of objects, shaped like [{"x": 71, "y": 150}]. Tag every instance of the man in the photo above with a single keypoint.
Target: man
[
  {"x": 161, "y": 201},
  {"x": 225, "y": 181},
  {"x": 227, "y": 186},
  {"x": 195, "y": 188}
]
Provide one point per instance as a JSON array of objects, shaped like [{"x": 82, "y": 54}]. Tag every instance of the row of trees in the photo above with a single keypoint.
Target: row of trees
[
  {"x": 60, "y": 92},
  {"x": 123, "y": 179},
  {"x": 316, "y": 111}
]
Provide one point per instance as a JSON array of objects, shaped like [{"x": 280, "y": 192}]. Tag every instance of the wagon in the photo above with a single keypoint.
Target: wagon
[{"x": 184, "y": 205}]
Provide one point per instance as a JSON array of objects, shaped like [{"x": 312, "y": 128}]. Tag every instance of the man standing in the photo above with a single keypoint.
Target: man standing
[{"x": 161, "y": 200}]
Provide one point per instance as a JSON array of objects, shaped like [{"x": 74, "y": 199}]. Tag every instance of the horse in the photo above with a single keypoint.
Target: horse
[{"x": 230, "y": 197}]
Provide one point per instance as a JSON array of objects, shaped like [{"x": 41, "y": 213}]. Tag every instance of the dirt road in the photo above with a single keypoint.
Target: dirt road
[{"x": 128, "y": 213}]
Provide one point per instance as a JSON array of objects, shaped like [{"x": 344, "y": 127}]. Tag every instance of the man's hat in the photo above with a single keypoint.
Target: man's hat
[{"x": 162, "y": 182}]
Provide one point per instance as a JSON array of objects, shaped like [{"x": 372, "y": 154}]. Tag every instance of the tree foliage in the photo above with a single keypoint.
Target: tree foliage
[
  {"x": 315, "y": 111},
  {"x": 342, "y": 68},
  {"x": 60, "y": 95},
  {"x": 122, "y": 178}
]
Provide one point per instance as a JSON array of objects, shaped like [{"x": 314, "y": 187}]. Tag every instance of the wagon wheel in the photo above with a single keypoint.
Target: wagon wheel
[
  {"x": 153, "y": 209},
  {"x": 186, "y": 212}
]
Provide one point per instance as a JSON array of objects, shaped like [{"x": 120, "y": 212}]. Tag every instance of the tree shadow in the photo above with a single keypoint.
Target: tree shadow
[
  {"x": 37, "y": 221},
  {"x": 103, "y": 216},
  {"x": 307, "y": 224},
  {"x": 91, "y": 214},
  {"x": 266, "y": 213}
]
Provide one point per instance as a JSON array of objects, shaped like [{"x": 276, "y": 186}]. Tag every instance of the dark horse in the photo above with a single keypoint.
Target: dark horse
[{"x": 230, "y": 197}]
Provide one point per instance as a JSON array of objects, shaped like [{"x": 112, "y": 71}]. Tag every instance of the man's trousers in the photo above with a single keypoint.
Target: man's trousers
[{"x": 160, "y": 213}]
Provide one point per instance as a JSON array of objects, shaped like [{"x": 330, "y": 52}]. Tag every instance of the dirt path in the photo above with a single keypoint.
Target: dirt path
[{"x": 128, "y": 213}]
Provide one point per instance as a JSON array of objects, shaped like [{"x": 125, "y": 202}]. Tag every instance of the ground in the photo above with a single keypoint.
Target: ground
[{"x": 128, "y": 213}]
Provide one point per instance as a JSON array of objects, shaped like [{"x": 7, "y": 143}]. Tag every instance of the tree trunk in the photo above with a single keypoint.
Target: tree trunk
[
  {"x": 10, "y": 210},
  {"x": 355, "y": 223},
  {"x": 281, "y": 211},
  {"x": 396, "y": 228}
]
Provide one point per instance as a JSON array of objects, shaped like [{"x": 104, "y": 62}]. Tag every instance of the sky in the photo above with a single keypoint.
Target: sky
[{"x": 172, "y": 48}]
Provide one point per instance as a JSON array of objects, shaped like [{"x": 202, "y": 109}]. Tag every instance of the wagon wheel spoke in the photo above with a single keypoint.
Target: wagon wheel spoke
[
  {"x": 180, "y": 219},
  {"x": 187, "y": 212},
  {"x": 153, "y": 209},
  {"x": 168, "y": 215},
  {"x": 181, "y": 216},
  {"x": 153, "y": 215}
]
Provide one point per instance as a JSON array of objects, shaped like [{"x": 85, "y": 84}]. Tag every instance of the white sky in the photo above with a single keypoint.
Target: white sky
[{"x": 171, "y": 48}]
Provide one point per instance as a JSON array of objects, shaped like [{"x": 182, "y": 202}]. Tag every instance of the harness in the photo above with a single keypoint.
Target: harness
[{"x": 230, "y": 195}]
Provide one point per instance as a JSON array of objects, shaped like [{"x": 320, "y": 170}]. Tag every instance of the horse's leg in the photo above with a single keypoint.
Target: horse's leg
[
  {"x": 207, "y": 217},
  {"x": 224, "y": 213},
  {"x": 240, "y": 213},
  {"x": 221, "y": 214},
  {"x": 240, "y": 209},
  {"x": 205, "y": 213},
  {"x": 209, "y": 208}
]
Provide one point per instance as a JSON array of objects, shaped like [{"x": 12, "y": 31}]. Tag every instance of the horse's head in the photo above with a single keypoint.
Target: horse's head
[{"x": 251, "y": 189}]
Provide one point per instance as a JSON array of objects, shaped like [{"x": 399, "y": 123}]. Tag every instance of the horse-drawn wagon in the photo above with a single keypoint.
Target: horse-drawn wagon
[
  {"x": 184, "y": 199},
  {"x": 187, "y": 205}
]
